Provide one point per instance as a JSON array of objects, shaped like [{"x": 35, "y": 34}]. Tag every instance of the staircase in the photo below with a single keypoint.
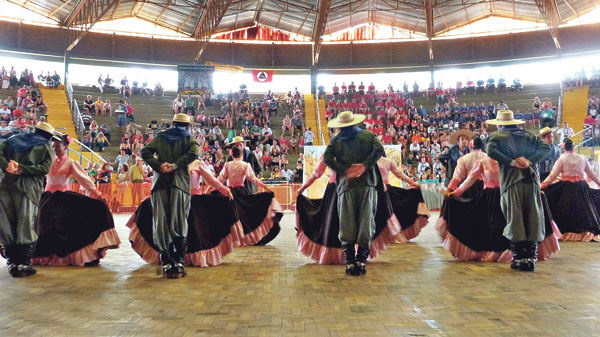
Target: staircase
[
  {"x": 59, "y": 115},
  {"x": 575, "y": 107},
  {"x": 311, "y": 117},
  {"x": 324, "y": 129}
]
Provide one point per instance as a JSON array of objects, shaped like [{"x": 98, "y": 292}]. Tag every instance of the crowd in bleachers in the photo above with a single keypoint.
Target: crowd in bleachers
[
  {"x": 126, "y": 89},
  {"x": 424, "y": 135},
  {"x": 9, "y": 79}
]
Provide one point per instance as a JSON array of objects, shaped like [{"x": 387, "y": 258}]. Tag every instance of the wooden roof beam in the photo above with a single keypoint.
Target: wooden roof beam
[{"x": 319, "y": 29}]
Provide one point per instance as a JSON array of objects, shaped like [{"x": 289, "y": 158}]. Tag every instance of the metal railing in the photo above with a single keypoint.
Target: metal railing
[
  {"x": 560, "y": 103},
  {"x": 79, "y": 128},
  {"x": 583, "y": 137},
  {"x": 320, "y": 129}
]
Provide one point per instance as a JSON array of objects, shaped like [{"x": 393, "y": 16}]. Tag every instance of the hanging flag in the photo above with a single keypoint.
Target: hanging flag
[{"x": 262, "y": 76}]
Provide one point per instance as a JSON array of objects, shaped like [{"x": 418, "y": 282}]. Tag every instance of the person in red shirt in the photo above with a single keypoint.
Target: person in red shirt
[
  {"x": 357, "y": 96},
  {"x": 384, "y": 96},
  {"x": 369, "y": 121},
  {"x": 378, "y": 130},
  {"x": 352, "y": 88},
  {"x": 372, "y": 88},
  {"x": 399, "y": 102},
  {"x": 387, "y": 139},
  {"x": 380, "y": 112},
  {"x": 354, "y": 106},
  {"x": 378, "y": 104},
  {"x": 389, "y": 103},
  {"x": 329, "y": 114},
  {"x": 379, "y": 121},
  {"x": 331, "y": 103},
  {"x": 346, "y": 105},
  {"x": 336, "y": 90},
  {"x": 344, "y": 88},
  {"x": 369, "y": 98},
  {"x": 129, "y": 113},
  {"x": 361, "y": 88},
  {"x": 17, "y": 113},
  {"x": 363, "y": 108}
]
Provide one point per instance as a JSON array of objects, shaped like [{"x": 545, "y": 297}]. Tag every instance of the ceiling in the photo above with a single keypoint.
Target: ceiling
[{"x": 300, "y": 16}]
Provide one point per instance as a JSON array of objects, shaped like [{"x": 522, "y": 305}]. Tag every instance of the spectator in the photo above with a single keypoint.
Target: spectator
[
  {"x": 101, "y": 142},
  {"x": 565, "y": 132},
  {"x": 178, "y": 105},
  {"x": 122, "y": 159},
  {"x": 309, "y": 136},
  {"x": 189, "y": 106},
  {"x": 88, "y": 104}
]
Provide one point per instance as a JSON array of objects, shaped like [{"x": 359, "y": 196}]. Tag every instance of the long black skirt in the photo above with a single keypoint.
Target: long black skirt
[
  {"x": 253, "y": 210},
  {"x": 575, "y": 207},
  {"x": 209, "y": 239},
  {"x": 474, "y": 190},
  {"x": 72, "y": 229},
  {"x": 320, "y": 222},
  {"x": 478, "y": 223},
  {"x": 405, "y": 205}
]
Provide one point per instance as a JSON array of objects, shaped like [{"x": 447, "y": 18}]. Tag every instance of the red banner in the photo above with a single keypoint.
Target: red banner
[{"x": 262, "y": 76}]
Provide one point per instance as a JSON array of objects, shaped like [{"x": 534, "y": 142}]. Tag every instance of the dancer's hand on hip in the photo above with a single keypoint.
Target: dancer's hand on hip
[{"x": 355, "y": 171}]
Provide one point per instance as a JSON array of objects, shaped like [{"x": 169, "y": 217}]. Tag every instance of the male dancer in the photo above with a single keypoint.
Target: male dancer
[
  {"x": 546, "y": 165},
  {"x": 353, "y": 155},
  {"x": 169, "y": 155},
  {"x": 25, "y": 159},
  {"x": 517, "y": 153},
  {"x": 466, "y": 163},
  {"x": 250, "y": 158},
  {"x": 460, "y": 146}
]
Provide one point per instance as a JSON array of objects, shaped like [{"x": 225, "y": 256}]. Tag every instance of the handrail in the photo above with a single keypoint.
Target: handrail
[
  {"x": 83, "y": 148},
  {"x": 560, "y": 103},
  {"x": 320, "y": 129}
]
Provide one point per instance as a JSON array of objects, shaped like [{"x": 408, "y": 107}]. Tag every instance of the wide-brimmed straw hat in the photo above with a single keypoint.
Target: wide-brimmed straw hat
[
  {"x": 45, "y": 127},
  {"x": 181, "y": 118},
  {"x": 546, "y": 130},
  {"x": 461, "y": 133},
  {"x": 345, "y": 118},
  {"x": 238, "y": 139},
  {"x": 505, "y": 117}
]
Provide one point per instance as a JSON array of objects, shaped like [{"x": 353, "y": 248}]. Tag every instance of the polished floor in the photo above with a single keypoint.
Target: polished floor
[{"x": 413, "y": 289}]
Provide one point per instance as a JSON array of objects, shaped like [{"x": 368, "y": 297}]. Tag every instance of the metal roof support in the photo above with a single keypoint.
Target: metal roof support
[
  {"x": 429, "y": 29},
  {"x": 85, "y": 17},
  {"x": 258, "y": 10},
  {"x": 209, "y": 20},
  {"x": 549, "y": 12},
  {"x": 74, "y": 12},
  {"x": 319, "y": 29}
]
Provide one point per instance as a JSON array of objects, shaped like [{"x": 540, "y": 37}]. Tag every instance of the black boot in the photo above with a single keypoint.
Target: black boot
[
  {"x": 349, "y": 254},
  {"x": 25, "y": 267},
  {"x": 361, "y": 260},
  {"x": 11, "y": 253},
  {"x": 524, "y": 255},
  {"x": 529, "y": 255},
  {"x": 167, "y": 264},
  {"x": 177, "y": 250}
]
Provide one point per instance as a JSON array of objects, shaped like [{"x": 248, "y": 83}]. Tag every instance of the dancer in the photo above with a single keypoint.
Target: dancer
[
  {"x": 353, "y": 155},
  {"x": 546, "y": 165},
  {"x": 517, "y": 153},
  {"x": 407, "y": 205},
  {"x": 250, "y": 158},
  {"x": 72, "y": 229},
  {"x": 211, "y": 222},
  {"x": 460, "y": 146},
  {"x": 318, "y": 226},
  {"x": 25, "y": 159},
  {"x": 471, "y": 229},
  {"x": 259, "y": 214},
  {"x": 169, "y": 154},
  {"x": 465, "y": 165},
  {"x": 572, "y": 201}
]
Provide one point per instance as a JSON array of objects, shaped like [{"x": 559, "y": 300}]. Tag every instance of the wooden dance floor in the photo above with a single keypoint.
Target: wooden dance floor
[{"x": 413, "y": 289}]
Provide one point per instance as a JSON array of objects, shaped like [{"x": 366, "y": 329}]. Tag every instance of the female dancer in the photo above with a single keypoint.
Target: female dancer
[
  {"x": 472, "y": 229},
  {"x": 72, "y": 228},
  {"x": 408, "y": 204},
  {"x": 572, "y": 201},
  {"x": 259, "y": 214},
  {"x": 211, "y": 224},
  {"x": 317, "y": 221}
]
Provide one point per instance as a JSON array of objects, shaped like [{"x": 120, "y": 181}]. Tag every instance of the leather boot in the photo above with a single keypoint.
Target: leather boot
[
  {"x": 165, "y": 260},
  {"x": 529, "y": 255},
  {"x": 11, "y": 254},
  {"x": 361, "y": 260},
  {"x": 349, "y": 255},
  {"x": 25, "y": 267},
  {"x": 516, "y": 255},
  {"x": 177, "y": 249}
]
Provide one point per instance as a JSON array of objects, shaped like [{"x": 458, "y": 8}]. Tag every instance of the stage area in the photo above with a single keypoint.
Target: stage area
[{"x": 413, "y": 289}]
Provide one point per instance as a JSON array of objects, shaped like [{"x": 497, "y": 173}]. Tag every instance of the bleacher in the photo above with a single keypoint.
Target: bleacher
[{"x": 149, "y": 108}]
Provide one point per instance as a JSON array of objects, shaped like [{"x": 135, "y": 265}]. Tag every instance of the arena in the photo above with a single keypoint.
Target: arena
[{"x": 299, "y": 167}]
